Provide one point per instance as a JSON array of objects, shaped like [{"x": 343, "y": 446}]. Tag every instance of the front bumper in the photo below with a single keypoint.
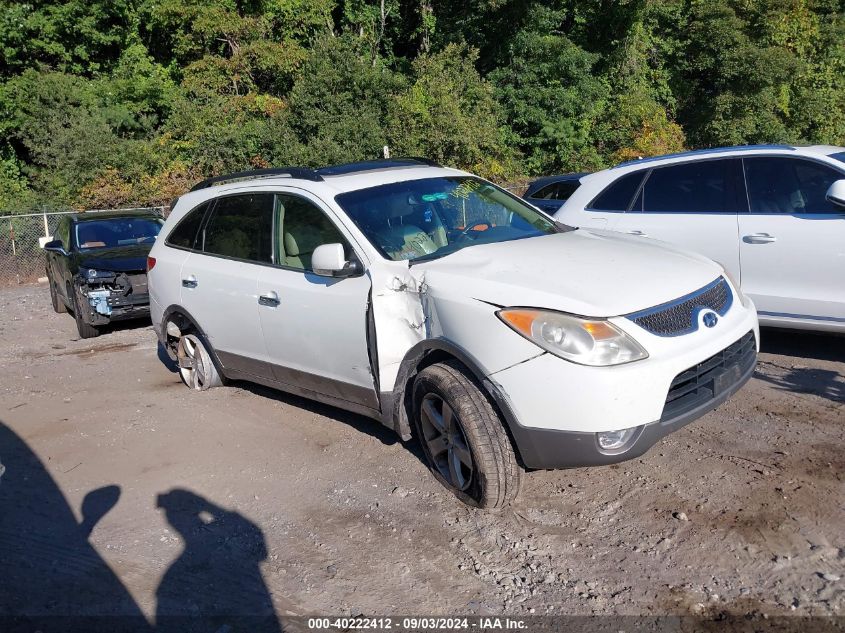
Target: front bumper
[
  {"x": 107, "y": 302},
  {"x": 546, "y": 448},
  {"x": 556, "y": 408}
]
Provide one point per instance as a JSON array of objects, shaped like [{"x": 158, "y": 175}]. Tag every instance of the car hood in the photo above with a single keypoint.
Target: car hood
[
  {"x": 586, "y": 272},
  {"x": 120, "y": 259}
]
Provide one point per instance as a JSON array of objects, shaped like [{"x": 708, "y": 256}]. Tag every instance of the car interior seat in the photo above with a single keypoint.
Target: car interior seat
[
  {"x": 304, "y": 228},
  {"x": 402, "y": 239}
]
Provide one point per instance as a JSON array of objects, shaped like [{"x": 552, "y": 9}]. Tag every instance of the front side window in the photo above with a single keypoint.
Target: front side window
[
  {"x": 434, "y": 217},
  {"x": 241, "y": 227},
  {"x": 114, "y": 232},
  {"x": 302, "y": 228},
  {"x": 789, "y": 186},
  {"x": 698, "y": 187}
]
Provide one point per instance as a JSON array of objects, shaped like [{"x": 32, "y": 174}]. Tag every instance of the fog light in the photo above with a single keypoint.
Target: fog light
[{"x": 615, "y": 441}]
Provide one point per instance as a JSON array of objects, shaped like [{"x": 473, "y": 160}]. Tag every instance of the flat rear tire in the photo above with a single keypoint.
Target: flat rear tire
[{"x": 196, "y": 367}]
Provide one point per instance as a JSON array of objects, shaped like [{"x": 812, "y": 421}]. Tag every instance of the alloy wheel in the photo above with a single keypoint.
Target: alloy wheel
[
  {"x": 192, "y": 362},
  {"x": 444, "y": 438}
]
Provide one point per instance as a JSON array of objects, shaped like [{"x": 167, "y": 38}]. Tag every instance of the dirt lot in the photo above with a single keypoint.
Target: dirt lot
[{"x": 320, "y": 511}]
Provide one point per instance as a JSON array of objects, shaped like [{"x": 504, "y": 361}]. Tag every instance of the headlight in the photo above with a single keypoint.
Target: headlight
[{"x": 594, "y": 342}]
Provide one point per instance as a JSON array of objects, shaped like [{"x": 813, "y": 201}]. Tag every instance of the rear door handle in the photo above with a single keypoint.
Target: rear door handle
[
  {"x": 269, "y": 299},
  {"x": 189, "y": 282},
  {"x": 759, "y": 238},
  {"x": 638, "y": 233}
]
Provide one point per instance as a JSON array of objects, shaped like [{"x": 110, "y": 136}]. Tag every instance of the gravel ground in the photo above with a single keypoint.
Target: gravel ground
[{"x": 246, "y": 496}]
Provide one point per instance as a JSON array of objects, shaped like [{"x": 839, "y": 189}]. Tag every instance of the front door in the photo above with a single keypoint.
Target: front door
[
  {"x": 793, "y": 240},
  {"x": 220, "y": 282},
  {"x": 315, "y": 328}
]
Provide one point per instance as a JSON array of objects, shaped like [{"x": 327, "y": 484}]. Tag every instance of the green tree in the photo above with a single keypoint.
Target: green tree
[
  {"x": 448, "y": 113},
  {"x": 551, "y": 97},
  {"x": 340, "y": 102},
  {"x": 76, "y": 36}
]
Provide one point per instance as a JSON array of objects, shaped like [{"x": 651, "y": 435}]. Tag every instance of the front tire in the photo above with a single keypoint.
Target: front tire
[
  {"x": 463, "y": 437},
  {"x": 86, "y": 330},
  {"x": 58, "y": 303},
  {"x": 196, "y": 368}
]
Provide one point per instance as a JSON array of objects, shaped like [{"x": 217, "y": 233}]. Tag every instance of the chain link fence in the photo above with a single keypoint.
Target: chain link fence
[{"x": 21, "y": 240}]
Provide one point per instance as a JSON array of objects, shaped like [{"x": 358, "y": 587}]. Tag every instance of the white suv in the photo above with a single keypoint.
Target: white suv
[
  {"x": 444, "y": 307},
  {"x": 772, "y": 215}
]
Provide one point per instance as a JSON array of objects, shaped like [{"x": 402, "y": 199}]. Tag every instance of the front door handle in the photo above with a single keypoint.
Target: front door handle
[
  {"x": 638, "y": 233},
  {"x": 269, "y": 299},
  {"x": 189, "y": 282},
  {"x": 759, "y": 238}
]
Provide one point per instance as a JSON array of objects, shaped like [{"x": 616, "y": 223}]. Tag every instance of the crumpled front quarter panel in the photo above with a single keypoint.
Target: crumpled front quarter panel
[{"x": 411, "y": 305}]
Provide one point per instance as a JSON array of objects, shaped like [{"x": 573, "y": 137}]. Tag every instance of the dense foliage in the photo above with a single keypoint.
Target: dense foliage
[{"x": 119, "y": 102}]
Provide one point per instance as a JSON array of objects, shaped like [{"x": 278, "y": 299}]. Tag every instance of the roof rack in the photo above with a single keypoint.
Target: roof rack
[
  {"x": 372, "y": 165},
  {"x": 294, "y": 172},
  {"x": 316, "y": 175},
  {"x": 699, "y": 152}
]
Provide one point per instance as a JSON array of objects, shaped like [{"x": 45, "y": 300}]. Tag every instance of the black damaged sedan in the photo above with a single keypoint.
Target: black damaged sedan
[{"x": 97, "y": 267}]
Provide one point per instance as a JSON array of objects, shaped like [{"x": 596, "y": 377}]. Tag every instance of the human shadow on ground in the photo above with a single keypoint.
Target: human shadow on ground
[
  {"x": 53, "y": 579},
  {"x": 216, "y": 582},
  {"x": 48, "y": 569}
]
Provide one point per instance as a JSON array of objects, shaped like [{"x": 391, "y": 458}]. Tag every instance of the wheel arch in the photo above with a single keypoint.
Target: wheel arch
[
  {"x": 427, "y": 353},
  {"x": 185, "y": 322}
]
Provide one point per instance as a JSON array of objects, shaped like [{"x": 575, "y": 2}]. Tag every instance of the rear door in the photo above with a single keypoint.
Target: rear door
[
  {"x": 220, "y": 279},
  {"x": 693, "y": 205},
  {"x": 793, "y": 240},
  {"x": 315, "y": 328}
]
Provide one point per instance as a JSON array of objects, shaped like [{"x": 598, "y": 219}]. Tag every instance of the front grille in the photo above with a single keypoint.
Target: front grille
[
  {"x": 710, "y": 378},
  {"x": 681, "y": 316}
]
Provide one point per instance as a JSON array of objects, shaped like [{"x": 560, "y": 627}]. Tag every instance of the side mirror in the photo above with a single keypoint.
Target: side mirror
[
  {"x": 329, "y": 260},
  {"x": 55, "y": 246},
  {"x": 836, "y": 193}
]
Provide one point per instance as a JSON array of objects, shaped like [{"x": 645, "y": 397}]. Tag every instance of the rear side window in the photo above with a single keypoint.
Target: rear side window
[
  {"x": 789, "y": 186},
  {"x": 617, "y": 197},
  {"x": 698, "y": 187},
  {"x": 241, "y": 227},
  {"x": 556, "y": 191},
  {"x": 185, "y": 233}
]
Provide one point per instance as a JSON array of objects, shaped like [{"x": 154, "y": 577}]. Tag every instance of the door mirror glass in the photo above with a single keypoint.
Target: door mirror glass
[
  {"x": 329, "y": 260},
  {"x": 55, "y": 246},
  {"x": 836, "y": 193}
]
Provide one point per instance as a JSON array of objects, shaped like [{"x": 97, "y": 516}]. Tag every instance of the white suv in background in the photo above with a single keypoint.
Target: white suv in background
[
  {"x": 772, "y": 215},
  {"x": 444, "y": 307}
]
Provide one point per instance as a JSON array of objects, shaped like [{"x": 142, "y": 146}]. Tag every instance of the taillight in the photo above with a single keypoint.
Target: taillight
[{"x": 151, "y": 261}]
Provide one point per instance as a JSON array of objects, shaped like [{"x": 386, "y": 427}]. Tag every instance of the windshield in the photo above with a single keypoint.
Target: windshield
[
  {"x": 427, "y": 219},
  {"x": 116, "y": 232}
]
